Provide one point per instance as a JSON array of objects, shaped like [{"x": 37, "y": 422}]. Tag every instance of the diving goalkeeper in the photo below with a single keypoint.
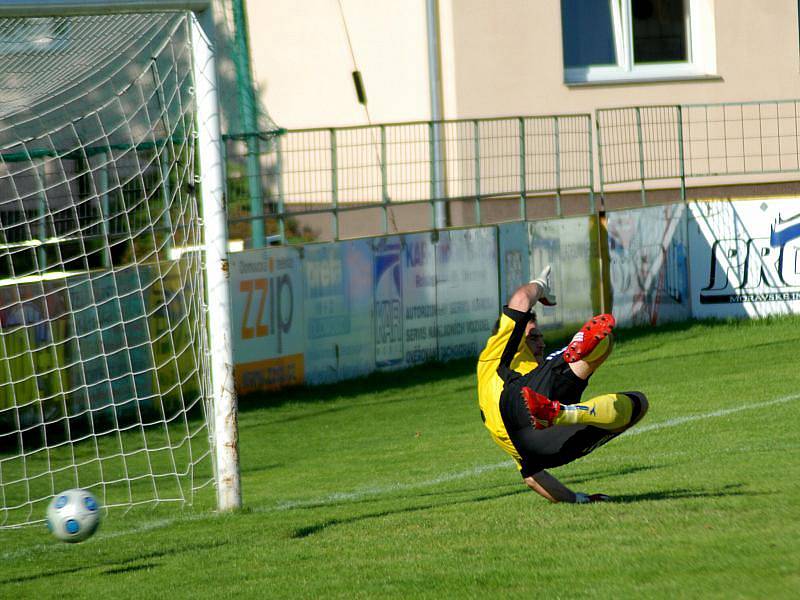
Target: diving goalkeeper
[{"x": 532, "y": 406}]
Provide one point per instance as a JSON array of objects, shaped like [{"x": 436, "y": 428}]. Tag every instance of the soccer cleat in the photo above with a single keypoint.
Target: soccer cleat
[
  {"x": 543, "y": 410},
  {"x": 590, "y": 335}
]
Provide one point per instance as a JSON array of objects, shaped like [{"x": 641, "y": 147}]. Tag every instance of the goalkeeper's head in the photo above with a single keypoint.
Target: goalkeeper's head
[
  {"x": 534, "y": 339},
  {"x": 533, "y": 336}
]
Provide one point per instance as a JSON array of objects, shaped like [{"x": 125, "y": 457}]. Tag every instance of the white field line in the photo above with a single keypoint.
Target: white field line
[
  {"x": 377, "y": 491},
  {"x": 717, "y": 413},
  {"x": 357, "y": 495},
  {"x": 395, "y": 487}
]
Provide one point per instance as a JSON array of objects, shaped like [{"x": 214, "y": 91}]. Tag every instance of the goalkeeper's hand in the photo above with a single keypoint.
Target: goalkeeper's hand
[
  {"x": 547, "y": 297},
  {"x": 581, "y": 498}
]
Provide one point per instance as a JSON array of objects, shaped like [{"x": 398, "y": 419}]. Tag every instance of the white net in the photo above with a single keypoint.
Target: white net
[{"x": 104, "y": 381}]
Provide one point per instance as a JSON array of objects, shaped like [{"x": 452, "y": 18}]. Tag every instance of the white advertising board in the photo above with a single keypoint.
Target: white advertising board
[
  {"x": 338, "y": 310},
  {"x": 565, "y": 245},
  {"x": 267, "y": 317},
  {"x": 515, "y": 257},
  {"x": 419, "y": 299},
  {"x": 387, "y": 262},
  {"x": 745, "y": 258},
  {"x": 467, "y": 290},
  {"x": 405, "y": 301},
  {"x": 648, "y": 264}
]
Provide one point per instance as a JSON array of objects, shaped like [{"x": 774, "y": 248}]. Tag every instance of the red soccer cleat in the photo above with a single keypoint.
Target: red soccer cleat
[
  {"x": 592, "y": 333},
  {"x": 542, "y": 409}
]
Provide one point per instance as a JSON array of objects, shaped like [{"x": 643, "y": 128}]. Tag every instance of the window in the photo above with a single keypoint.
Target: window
[{"x": 636, "y": 40}]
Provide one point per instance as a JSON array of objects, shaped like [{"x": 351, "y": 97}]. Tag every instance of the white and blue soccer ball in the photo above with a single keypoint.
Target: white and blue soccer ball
[{"x": 73, "y": 515}]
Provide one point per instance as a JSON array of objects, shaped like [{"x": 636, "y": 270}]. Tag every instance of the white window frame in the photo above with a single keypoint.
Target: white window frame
[{"x": 701, "y": 50}]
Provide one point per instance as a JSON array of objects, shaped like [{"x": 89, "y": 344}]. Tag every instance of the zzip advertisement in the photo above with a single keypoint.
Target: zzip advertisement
[
  {"x": 267, "y": 318},
  {"x": 648, "y": 256},
  {"x": 745, "y": 258},
  {"x": 565, "y": 245}
]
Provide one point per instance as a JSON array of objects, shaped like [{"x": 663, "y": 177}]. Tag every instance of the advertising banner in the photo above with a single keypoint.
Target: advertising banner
[
  {"x": 34, "y": 334},
  {"x": 419, "y": 299},
  {"x": 467, "y": 290},
  {"x": 338, "y": 291},
  {"x": 648, "y": 261},
  {"x": 565, "y": 245},
  {"x": 267, "y": 318},
  {"x": 515, "y": 257},
  {"x": 388, "y": 301},
  {"x": 405, "y": 301},
  {"x": 745, "y": 258},
  {"x": 110, "y": 316}
]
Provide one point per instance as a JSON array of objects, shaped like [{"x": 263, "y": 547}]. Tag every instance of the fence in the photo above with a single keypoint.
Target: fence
[
  {"x": 276, "y": 177},
  {"x": 336, "y": 170},
  {"x": 696, "y": 141}
]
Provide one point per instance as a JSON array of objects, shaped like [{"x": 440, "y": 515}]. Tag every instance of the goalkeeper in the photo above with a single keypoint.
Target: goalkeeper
[{"x": 532, "y": 406}]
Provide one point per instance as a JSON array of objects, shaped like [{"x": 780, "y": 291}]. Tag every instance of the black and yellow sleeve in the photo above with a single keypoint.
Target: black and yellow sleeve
[{"x": 505, "y": 342}]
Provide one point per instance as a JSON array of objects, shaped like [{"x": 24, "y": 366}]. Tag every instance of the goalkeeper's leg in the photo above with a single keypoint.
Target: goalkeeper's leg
[
  {"x": 556, "y": 446},
  {"x": 612, "y": 412},
  {"x": 591, "y": 345}
]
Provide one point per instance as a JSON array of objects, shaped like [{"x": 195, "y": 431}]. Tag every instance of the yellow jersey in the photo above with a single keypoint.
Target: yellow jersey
[{"x": 490, "y": 384}]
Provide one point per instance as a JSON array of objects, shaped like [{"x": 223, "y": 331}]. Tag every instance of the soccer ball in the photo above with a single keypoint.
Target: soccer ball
[{"x": 73, "y": 516}]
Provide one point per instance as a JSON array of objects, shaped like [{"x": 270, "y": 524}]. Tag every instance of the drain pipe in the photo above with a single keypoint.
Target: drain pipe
[{"x": 435, "y": 81}]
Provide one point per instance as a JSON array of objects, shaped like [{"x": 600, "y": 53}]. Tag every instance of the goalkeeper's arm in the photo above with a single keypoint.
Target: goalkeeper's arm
[
  {"x": 553, "y": 490},
  {"x": 537, "y": 290}
]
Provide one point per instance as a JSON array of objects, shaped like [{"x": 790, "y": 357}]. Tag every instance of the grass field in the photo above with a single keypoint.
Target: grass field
[{"x": 390, "y": 487}]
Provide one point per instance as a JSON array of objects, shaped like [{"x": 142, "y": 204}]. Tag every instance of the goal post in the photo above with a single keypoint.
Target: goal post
[
  {"x": 226, "y": 444},
  {"x": 116, "y": 369}
]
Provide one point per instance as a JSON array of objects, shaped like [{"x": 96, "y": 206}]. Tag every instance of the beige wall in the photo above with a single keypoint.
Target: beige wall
[
  {"x": 303, "y": 66},
  {"x": 499, "y": 58},
  {"x": 757, "y": 53}
]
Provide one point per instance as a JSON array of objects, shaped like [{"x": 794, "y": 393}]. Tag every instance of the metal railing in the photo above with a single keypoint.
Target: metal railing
[
  {"x": 277, "y": 176},
  {"x": 336, "y": 170},
  {"x": 649, "y": 143}
]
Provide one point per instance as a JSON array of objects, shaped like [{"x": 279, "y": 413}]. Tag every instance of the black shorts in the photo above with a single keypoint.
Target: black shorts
[{"x": 554, "y": 446}]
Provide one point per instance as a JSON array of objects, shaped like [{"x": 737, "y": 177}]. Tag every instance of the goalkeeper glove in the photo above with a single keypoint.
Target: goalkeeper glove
[
  {"x": 581, "y": 498},
  {"x": 547, "y": 297}
]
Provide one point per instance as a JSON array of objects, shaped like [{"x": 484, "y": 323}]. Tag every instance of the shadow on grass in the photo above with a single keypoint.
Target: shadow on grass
[
  {"x": 379, "y": 383},
  {"x": 609, "y": 473},
  {"x": 676, "y": 494},
  {"x": 327, "y": 410},
  {"x": 644, "y": 331},
  {"x": 303, "y": 532},
  {"x": 680, "y": 356},
  {"x": 260, "y": 468},
  {"x": 131, "y": 568},
  {"x": 395, "y": 382},
  {"x": 115, "y": 567},
  {"x": 683, "y": 494}
]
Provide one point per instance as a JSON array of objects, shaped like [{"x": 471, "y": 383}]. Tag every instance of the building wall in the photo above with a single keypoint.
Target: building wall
[
  {"x": 303, "y": 66},
  {"x": 757, "y": 56},
  {"x": 498, "y": 58}
]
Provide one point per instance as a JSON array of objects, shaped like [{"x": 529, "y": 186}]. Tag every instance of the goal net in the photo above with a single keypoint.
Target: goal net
[{"x": 105, "y": 360}]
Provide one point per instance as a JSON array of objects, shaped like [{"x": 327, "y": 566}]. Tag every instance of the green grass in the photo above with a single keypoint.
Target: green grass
[{"x": 390, "y": 487}]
